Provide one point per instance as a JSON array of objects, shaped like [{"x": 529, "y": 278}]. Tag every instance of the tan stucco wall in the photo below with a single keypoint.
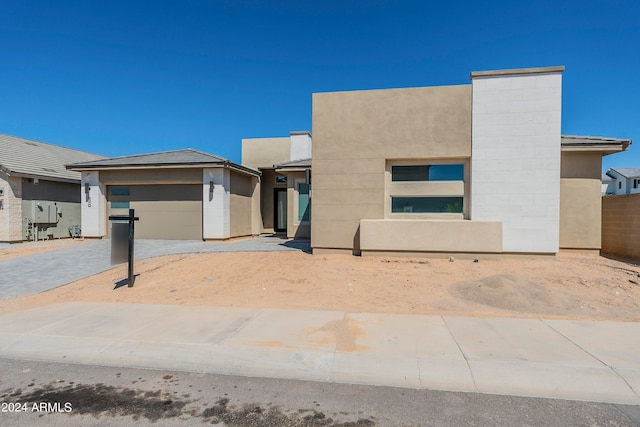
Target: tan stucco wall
[
  {"x": 580, "y": 200},
  {"x": 580, "y": 213},
  {"x": 265, "y": 152},
  {"x": 430, "y": 236},
  {"x": 256, "y": 214},
  {"x": 240, "y": 205},
  {"x": 355, "y": 133},
  {"x": 267, "y": 187},
  {"x": 295, "y": 229},
  {"x": 576, "y": 164},
  {"x": 621, "y": 226},
  {"x": 152, "y": 176},
  {"x": 11, "y": 208}
]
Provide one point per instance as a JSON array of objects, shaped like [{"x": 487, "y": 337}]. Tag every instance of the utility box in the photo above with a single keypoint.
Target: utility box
[{"x": 45, "y": 213}]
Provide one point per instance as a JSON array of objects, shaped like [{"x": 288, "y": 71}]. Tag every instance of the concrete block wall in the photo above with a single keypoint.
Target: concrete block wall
[
  {"x": 621, "y": 226},
  {"x": 11, "y": 209},
  {"x": 515, "y": 161}
]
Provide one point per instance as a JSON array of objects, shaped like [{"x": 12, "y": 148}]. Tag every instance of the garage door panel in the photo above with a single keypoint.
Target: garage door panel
[{"x": 177, "y": 216}]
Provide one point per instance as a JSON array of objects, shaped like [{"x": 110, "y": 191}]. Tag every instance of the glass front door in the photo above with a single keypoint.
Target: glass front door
[{"x": 280, "y": 211}]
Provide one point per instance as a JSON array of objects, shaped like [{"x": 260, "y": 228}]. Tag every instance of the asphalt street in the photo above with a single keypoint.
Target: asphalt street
[{"x": 44, "y": 394}]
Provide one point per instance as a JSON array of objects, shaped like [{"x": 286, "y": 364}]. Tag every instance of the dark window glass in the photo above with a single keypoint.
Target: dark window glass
[
  {"x": 304, "y": 207},
  {"x": 119, "y": 205},
  {"x": 410, "y": 173},
  {"x": 435, "y": 204},
  {"x": 119, "y": 191},
  {"x": 428, "y": 173},
  {"x": 446, "y": 173}
]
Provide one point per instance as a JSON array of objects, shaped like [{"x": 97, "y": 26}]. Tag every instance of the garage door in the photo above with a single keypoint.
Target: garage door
[{"x": 165, "y": 211}]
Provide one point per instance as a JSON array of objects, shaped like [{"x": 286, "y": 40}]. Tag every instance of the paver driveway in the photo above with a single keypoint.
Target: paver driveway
[{"x": 48, "y": 270}]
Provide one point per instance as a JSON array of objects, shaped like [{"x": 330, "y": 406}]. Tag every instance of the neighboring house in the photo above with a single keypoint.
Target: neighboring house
[
  {"x": 621, "y": 181},
  {"x": 608, "y": 185},
  {"x": 182, "y": 194},
  {"x": 476, "y": 168},
  {"x": 285, "y": 186},
  {"x": 39, "y": 198}
]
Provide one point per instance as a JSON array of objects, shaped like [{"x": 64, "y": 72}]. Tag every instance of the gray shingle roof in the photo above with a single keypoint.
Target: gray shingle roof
[
  {"x": 185, "y": 157},
  {"x": 628, "y": 172},
  {"x": 606, "y": 178},
  {"x": 301, "y": 163},
  {"x": 24, "y": 157}
]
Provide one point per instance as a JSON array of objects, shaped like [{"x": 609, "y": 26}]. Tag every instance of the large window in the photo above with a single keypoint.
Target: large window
[
  {"x": 414, "y": 173},
  {"x": 119, "y": 205},
  {"x": 426, "y": 204},
  {"x": 304, "y": 207}
]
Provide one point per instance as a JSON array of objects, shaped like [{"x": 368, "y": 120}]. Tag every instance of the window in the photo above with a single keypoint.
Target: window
[
  {"x": 119, "y": 205},
  {"x": 304, "y": 207},
  {"x": 119, "y": 191},
  {"x": 410, "y": 173},
  {"x": 635, "y": 183},
  {"x": 281, "y": 179},
  {"x": 426, "y": 204},
  {"x": 619, "y": 185}
]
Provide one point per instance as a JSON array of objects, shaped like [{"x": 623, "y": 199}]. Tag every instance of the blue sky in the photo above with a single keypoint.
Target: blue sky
[{"x": 126, "y": 77}]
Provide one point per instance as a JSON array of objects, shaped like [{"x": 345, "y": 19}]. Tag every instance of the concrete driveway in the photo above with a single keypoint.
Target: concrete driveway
[{"x": 48, "y": 270}]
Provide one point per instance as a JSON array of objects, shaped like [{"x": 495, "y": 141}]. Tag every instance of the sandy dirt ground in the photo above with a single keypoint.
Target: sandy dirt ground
[{"x": 566, "y": 287}]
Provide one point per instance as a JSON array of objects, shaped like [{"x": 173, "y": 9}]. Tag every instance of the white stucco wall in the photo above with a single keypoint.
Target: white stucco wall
[
  {"x": 92, "y": 204},
  {"x": 515, "y": 161},
  {"x": 300, "y": 145},
  {"x": 216, "y": 205},
  {"x": 10, "y": 208}
]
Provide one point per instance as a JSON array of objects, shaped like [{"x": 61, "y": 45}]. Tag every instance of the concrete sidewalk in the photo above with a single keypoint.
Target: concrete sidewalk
[
  {"x": 48, "y": 270},
  {"x": 580, "y": 360}
]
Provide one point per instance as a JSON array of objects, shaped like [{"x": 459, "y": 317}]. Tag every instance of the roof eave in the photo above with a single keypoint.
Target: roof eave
[
  {"x": 81, "y": 167},
  {"x": 292, "y": 169},
  {"x": 227, "y": 164}
]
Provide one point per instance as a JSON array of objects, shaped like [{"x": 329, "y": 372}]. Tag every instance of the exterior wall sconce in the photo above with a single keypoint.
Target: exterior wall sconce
[
  {"x": 87, "y": 188},
  {"x": 211, "y": 186}
]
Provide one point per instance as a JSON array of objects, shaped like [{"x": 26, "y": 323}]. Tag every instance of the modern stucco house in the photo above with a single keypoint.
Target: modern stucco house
[
  {"x": 474, "y": 168},
  {"x": 182, "y": 194},
  {"x": 285, "y": 165},
  {"x": 39, "y": 197}
]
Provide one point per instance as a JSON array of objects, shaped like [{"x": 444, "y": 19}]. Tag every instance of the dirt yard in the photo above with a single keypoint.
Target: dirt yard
[{"x": 567, "y": 286}]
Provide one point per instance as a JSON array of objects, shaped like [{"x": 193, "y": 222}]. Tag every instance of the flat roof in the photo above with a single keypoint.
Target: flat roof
[
  {"x": 518, "y": 71},
  {"x": 594, "y": 143}
]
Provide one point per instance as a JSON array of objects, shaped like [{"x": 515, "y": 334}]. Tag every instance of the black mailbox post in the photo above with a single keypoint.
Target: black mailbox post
[{"x": 122, "y": 241}]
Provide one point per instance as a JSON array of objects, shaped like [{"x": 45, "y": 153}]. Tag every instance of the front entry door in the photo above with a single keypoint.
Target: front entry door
[{"x": 280, "y": 210}]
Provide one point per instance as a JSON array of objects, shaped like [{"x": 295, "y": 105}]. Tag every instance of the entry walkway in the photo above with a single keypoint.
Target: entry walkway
[
  {"x": 48, "y": 270},
  {"x": 580, "y": 360}
]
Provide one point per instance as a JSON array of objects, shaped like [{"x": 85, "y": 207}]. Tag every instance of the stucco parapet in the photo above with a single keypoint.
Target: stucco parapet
[{"x": 517, "y": 71}]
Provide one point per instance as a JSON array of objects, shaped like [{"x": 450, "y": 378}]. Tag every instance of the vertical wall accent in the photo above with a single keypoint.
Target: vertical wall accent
[
  {"x": 11, "y": 209},
  {"x": 515, "y": 160},
  {"x": 216, "y": 205},
  {"x": 93, "y": 205},
  {"x": 300, "y": 147}
]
